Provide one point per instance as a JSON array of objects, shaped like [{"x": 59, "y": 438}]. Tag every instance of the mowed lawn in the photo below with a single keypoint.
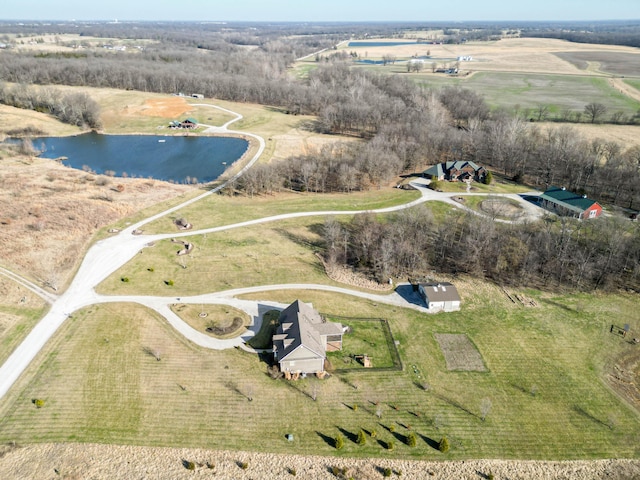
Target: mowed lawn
[
  {"x": 218, "y": 210},
  {"x": 20, "y": 310},
  {"x": 544, "y": 383},
  {"x": 273, "y": 253}
]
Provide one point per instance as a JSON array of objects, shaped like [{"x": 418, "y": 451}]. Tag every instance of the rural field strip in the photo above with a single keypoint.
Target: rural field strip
[
  {"x": 46, "y": 296},
  {"x": 107, "y": 255}
]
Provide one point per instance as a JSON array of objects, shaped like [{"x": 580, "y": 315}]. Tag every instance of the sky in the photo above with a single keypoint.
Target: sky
[{"x": 321, "y": 10}]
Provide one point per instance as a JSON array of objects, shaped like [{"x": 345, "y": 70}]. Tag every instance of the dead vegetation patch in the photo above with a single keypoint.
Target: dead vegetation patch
[
  {"x": 499, "y": 207},
  {"x": 460, "y": 353},
  {"x": 52, "y": 212},
  {"x": 169, "y": 107},
  {"x": 348, "y": 276},
  {"x": 624, "y": 376}
]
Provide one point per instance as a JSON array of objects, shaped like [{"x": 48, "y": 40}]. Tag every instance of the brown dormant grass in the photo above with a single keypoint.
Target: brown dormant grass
[
  {"x": 534, "y": 55},
  {"x": 626, "y": 135},
  {"x": 20, "y": 309},
  {"x": 53, "y": 211}
]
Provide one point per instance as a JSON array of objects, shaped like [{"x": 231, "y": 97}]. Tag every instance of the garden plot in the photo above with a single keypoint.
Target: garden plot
[{"x": 460, "y": 353}]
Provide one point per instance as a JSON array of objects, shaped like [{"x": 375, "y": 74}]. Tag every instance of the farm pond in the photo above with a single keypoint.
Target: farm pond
[{"x": 180, "y": 159}]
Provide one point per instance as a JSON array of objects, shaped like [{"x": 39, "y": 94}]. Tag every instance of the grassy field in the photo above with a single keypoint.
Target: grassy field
[
  {"x": 545, "y": 365},
  {"x": 217, "y": 321},
  {"x": 501, "y": 186},
  {"x": 365, "y": 337},
  {"x": 618, "y": 63},
  {"x": 279, "y": 252},
  {"x": 494, "y": 207},
  {"x": 557, "y": 92},
  {"x": 634, "y": 83},
  {"x": 19, "y": 312},
  {"x": 543, "y": 383},
  {"x": 218, "y": 210}
]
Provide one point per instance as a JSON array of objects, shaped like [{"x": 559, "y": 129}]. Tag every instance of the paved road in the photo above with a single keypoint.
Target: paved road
[{"x": 107, "y": 255}]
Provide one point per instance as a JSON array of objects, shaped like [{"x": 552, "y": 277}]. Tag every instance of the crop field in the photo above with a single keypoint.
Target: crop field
[
  {"x": 557, "y": 92},
  {"x": 617, "y": 63},
  {"x": 530, "y": 55},
  {"x": 521, "y": 73},
  {"x": 99, "y": 384},
  {"x": 634, "y": 83}
]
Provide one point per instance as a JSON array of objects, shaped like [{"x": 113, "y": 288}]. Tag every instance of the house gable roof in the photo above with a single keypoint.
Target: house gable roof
[
  {"x": 567, "y": 199},
  {"x": 442, "y": 168},
  {"x": 302, "y": 326},
  {"x": 441, "y": 292},
  {"x": 435, "y": 170}
]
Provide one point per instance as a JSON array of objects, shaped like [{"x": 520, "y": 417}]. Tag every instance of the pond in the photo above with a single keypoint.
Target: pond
[
  {"x": 181, "y": 159},
  {"x": 380, "y": 44}
]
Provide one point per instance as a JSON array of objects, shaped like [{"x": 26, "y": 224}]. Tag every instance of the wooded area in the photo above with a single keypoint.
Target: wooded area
[{"x": 554, "y": 253}]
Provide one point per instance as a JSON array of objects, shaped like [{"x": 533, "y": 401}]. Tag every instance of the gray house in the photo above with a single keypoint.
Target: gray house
[
  {"x": 440, "y": 296},
  {"x": 302, "y": 339},
  {"x": 456, "y": 171}
]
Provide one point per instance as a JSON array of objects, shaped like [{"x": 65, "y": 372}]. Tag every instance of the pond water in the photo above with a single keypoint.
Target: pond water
[
  {"x": 380, "y": 44},
  {"x": 179, "y": 159}
]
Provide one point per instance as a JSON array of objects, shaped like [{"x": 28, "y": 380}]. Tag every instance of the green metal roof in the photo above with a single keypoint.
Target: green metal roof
[
  {"x": 435, "y": 170},
  {"x": 567, "y": 199}
]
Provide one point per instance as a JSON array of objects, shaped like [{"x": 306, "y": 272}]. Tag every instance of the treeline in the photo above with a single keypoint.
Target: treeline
[
  {"x": 619, "y": 33},
  {"x": 556, "y": 252},
  {"x": 73, "y": 108},
  {"x": 412, "y": 128}
]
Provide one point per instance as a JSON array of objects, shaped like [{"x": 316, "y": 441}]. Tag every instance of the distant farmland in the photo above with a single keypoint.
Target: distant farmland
[
  {"x": 618, "y": 63},
  {"x": 557, "y": 92}
]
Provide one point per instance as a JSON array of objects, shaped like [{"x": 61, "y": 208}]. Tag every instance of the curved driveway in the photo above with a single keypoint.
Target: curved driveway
[{"x": 106, "y": 256}]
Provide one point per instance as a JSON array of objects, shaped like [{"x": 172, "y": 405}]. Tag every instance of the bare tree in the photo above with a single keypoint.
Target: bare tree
[
  {"x": 153, "y": 352},
  {"x": 485, "y": 408},
  {"x": 542, "y": 112},
  {"x": 594, "y": 111}
]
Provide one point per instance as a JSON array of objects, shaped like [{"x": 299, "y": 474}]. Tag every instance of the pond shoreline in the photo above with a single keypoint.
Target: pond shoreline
[{"x": 181, "y": 158}]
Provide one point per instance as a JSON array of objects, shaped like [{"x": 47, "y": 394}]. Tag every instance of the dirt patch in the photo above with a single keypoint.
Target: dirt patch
[
  {"x": 459, "y": 353},
  {"x": 624, "y": 88},
  {"x": 624, "y": 376},
  {"x": 170, "y": 107},
  {"x": 499, "y": 207}
]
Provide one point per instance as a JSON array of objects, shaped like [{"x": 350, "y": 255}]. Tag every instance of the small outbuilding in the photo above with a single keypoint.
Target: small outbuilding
[
  {"x": 440, "y": 296},
  {"x": 562, "y": 202},
  {"x": 186, "y": 123}
]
